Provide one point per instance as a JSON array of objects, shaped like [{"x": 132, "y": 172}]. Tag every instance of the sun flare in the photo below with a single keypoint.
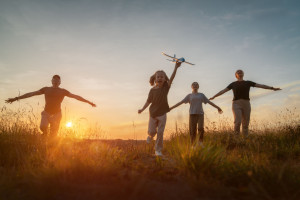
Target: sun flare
[{"x": 69, "y": 124}]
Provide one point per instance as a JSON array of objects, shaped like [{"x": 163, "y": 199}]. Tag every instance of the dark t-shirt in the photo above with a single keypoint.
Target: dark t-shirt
[
  {"x": 53, "y": 98},
  {"x": 241, "y": 89},
  {"x": 159, "y": 100}
]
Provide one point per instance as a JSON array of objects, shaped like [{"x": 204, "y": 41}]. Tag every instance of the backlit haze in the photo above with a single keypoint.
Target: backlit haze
[{"x": 106, "y": 51}]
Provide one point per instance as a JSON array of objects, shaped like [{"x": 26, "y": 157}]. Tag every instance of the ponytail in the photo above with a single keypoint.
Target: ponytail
[{"x": 153, "y": 77}]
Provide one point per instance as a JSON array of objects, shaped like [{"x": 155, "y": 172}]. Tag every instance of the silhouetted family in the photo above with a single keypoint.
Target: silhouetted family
[{"x": 158, "y": 98}]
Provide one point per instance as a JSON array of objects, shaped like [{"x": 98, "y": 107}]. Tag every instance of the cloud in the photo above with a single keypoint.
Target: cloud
[
  {"x": 296, "y": 89},
  {"x": 19, "y": 76},
  {"x": 291, "y": 84}
]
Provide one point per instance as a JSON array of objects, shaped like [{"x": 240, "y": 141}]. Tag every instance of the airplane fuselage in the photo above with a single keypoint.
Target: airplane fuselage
[{"x": 181, "y": 59}]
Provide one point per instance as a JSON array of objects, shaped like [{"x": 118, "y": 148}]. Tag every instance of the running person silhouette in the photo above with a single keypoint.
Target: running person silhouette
[
  {"x": 53, "y": 97},
  {"x": 241, "y": 107},
  {"x": 158, "y": 98},
  {"x": 196, "y": 117}
]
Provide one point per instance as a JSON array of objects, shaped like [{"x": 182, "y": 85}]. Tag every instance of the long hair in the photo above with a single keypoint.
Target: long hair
[{"x": 153, "y": 77}]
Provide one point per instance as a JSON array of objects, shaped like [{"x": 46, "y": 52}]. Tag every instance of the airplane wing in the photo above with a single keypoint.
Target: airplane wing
[
  {"x": 189, "y": 63},
  {"x": 167, "y": 55}
]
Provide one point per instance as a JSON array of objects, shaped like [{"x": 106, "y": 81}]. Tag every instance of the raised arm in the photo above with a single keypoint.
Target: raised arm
[
  {"x": 219, "y": 93},
  {"x": 79, "y": 98},
  {"x": 174, "y": 73},
  {"x": 266, "y": 87},
  {"x": 176, "y": 105},
  {"x": 144, "y": 107},
  {"x": 24, "y": 96}
]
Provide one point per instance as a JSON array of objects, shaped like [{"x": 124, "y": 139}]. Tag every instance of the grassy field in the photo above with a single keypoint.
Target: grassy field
[{"x": 266, "y": 165}]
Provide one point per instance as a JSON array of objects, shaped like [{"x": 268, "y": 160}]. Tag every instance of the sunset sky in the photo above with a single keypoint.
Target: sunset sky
[{"x": 106, "y": 51}]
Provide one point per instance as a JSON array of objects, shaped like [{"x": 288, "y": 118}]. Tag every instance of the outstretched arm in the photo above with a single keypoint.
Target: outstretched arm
[
  {"x": 219, "y": 93},
  {"x": 217, "y": 107},
  {"x": 79, "y": 98},
  {"x": 144, "y": 107},
  {"x": 266, "y": 87},
  {"x": 176, "y": 105},
  {"x": 174, "y": 73},
  {"x": 24, "y": 96}
]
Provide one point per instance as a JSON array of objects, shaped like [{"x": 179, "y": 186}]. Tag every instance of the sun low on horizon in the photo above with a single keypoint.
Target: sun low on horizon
[
  {"x": 106, "y": 52},
  {"x": 69, "y": 124}
]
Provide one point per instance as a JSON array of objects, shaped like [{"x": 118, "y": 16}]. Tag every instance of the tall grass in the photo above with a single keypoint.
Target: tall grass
[{"x": 265, "y": 165}]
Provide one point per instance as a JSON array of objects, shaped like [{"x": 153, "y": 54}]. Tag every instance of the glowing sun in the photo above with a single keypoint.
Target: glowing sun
[{"x": 69, "y": 124}]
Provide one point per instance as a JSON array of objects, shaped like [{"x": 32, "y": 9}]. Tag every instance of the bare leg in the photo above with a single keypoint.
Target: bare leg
[{"x": 44, "y": 123}]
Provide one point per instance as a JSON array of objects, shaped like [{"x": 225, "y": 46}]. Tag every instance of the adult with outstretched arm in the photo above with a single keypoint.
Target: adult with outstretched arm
[
  {"x": 241, "y": 107},
  {"x": 53, "y": 98}
]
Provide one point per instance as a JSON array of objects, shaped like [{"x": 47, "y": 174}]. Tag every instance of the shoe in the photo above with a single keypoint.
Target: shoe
[
  {"x": 149, "y": 139},
  {"x": 158, "y": 153}
]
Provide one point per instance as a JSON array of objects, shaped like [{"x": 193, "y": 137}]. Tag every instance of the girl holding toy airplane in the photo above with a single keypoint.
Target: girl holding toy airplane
[
  {"x": 196, "y": 112},
  {"x": 158, "y": 98}
]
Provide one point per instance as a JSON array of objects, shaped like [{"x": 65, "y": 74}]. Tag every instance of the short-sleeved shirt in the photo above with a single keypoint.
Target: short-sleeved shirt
[
  {"x": 53, "y": 98},
  {"x": 158, "y": 97},
  {"x": 195, "y": 100},
  {"x": 241, "y": 89}
]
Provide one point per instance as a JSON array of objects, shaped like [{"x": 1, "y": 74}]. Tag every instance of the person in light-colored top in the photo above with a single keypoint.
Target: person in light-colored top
[{"x": 196, "y": 118}]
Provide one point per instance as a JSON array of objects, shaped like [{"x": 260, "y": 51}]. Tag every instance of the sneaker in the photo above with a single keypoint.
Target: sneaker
[
  {"x": 149, "y": 139},
  {"x": 158, "y": 153}
]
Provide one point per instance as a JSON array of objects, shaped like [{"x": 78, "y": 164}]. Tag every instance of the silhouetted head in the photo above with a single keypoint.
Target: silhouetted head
[
  {"x": 195, "y": 86},
  {"x": 239, "y": 74},
  {"x": 55, "y": 80},
  {"x": 159, "y": 77}
]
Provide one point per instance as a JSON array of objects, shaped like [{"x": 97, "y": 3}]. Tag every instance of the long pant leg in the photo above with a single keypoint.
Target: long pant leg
[
  {"x": 54, "y": 123},
  {"x": 201, "y": 127},
  {"x": 152, "y": 126},
  {"x": 160, "y": 132},
  {"x": 44, "y": 122},
  {"x": 246, "y": 116},
  {"x": 237, "y": 113},
  {"x": 193, "y": 127}
]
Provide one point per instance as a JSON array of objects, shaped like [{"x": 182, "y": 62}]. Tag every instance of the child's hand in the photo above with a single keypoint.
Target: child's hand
[
  {"x": 220, "y": 110},
  {"x": 140, "y": 111},
  {"x": 177, "y": 64},
  {"x": 211, "y": 98}
]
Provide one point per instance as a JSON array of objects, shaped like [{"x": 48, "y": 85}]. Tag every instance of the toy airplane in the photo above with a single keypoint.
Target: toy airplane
[{"x": 174, "y": 59}]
